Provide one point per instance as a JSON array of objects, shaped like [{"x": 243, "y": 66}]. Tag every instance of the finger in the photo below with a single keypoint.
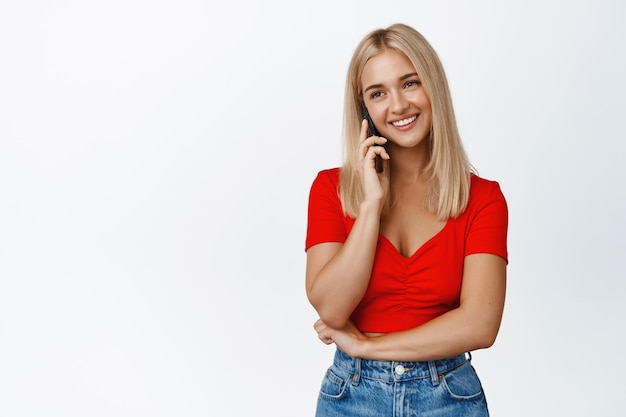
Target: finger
[
  {"x": 326, "y": 339},
  {"x": 379, "y": 140},
  {"x": 373, "y": 150},
  {"x": 364, "y": 134},
  {"x": 380, "y": 150},
  {"x": 322, "y": 330},
  {"x": 370, "y": 143}
]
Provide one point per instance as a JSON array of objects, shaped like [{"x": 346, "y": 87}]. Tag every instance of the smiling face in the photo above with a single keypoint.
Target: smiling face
[{"x": 396, "y": 100}]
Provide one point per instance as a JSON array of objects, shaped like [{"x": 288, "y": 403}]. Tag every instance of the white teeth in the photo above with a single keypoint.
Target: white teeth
[{"x": 404, "y": 122}]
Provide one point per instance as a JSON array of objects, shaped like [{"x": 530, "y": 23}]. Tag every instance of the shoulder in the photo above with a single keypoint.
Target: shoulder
[
  {"x": 481, "y": 183},
  {"x": 486, "y": 219},
  {"x": 486, "y": 197},
  {"x": 329, "y": 175},
  {"x": 327, "y": 179},
  {"x": 483, "y": 188},
  {"x": 326, "y": 221}
]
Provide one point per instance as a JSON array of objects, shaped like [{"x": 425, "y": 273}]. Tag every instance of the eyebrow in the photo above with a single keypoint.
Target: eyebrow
[{"x": 404, "y": 77}]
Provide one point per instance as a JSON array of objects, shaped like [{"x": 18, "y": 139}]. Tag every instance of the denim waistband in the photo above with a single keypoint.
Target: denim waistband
[{"x": 395, "y": 371}]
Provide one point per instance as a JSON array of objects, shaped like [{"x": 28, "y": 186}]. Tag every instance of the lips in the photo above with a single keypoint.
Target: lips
[{"x": 404, "y": 122}]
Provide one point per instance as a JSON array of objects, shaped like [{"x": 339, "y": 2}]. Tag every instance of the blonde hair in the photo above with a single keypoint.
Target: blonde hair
[{"x": 448, "y": 165}]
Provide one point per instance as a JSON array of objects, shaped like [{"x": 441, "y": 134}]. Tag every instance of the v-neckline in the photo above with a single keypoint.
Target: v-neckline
[{"x": 419, "y": 249}]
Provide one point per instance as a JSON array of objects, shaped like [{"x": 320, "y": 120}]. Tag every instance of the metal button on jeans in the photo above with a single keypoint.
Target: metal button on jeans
[{"x": 399, "y": 369}]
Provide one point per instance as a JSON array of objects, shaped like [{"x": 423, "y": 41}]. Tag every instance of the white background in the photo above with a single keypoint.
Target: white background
[{"x": 155, "y": 163}]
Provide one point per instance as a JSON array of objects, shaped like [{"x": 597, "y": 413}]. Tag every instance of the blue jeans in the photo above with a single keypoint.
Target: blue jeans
[{"x": 357, "y": 387}]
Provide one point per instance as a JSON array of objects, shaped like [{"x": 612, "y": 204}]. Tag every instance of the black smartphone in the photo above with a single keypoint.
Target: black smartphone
[{"x": 378, "y": 161}]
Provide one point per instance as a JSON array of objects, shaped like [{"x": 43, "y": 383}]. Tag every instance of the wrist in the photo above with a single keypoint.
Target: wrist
[
  {"x": 371, "y": 206},
  {"x": 363, "y": 347}
]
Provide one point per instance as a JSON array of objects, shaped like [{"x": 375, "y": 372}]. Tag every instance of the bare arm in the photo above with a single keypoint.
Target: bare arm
[
  {"x": 337, "y": 274},
  {"x": 473, "y": 325}
]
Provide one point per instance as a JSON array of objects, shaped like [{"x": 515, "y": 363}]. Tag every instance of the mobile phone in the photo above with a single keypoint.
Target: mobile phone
[{"x": 378, "y": 161}]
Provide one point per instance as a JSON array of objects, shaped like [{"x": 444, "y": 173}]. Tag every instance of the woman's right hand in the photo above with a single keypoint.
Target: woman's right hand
[
  {"x": 374, "y": 185},
  {"x": 338, "y": 273}
]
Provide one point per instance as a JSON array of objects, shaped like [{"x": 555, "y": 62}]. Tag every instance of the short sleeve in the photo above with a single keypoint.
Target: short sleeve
[
  {"x": 325, "y": 215},
  {"x": 488, "y": 226}
]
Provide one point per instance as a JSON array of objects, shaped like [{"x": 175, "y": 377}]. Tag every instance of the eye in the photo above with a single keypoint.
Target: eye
[
  {"x": 376, "y": 94},
  {"x": 412, "y": 83}
]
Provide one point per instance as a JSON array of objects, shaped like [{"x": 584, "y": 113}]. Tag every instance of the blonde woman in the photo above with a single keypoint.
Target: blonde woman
[{"x": 406, "y": 262}]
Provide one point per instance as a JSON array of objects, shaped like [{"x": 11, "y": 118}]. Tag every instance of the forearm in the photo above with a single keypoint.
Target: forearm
[
  {"x": 453, "y": 333},
  {"x": 473, "y": 325},
  {"x": 338, "y": 287}
]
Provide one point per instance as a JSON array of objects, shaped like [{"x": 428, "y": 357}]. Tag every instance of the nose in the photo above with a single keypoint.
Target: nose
[{"x": 398, "y": 103}]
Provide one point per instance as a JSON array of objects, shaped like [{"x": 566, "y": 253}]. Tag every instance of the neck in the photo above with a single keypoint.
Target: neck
[{"x": 408, "y": 165}]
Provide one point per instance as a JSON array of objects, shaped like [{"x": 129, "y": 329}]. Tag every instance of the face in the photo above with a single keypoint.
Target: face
[{"x": 396, "y": 100}]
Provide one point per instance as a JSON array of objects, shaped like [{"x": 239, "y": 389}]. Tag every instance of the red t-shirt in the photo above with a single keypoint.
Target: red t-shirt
[{"x": 406, "y": 292}]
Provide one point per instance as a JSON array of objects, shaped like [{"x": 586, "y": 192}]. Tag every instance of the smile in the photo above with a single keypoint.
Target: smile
[{"x": 404, "y": 122}]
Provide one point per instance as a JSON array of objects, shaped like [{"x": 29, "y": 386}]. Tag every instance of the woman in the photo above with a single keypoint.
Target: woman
[{"x": 405, "y": 267}]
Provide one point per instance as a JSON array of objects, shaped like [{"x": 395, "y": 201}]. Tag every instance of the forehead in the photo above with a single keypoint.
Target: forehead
[{"x": 387, "y": 66}]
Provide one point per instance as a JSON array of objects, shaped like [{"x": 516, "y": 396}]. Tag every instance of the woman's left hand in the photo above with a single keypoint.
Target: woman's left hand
[{"x": 349, "y": 339}]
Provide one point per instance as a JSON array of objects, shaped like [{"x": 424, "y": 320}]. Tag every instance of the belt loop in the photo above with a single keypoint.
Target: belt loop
[
  {"x": 356, "y": 377},
  {"x": 469, "y": 356},
  {"x": 434, "y": 376}
]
